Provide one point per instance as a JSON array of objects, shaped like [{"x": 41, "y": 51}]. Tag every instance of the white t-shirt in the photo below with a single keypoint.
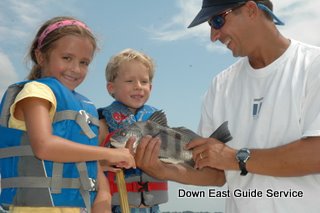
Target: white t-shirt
[{"x": 267, "y": 108}]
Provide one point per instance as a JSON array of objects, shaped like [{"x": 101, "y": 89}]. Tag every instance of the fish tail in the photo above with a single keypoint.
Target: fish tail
[{"x": 222, "y": 133}]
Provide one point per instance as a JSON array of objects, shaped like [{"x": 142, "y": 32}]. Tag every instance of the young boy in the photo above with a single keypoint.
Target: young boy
[{"x": 129, "y": 77}]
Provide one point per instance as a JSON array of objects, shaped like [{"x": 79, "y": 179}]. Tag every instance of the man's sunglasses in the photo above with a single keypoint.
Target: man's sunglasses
[{"x": 216, "y": 22}]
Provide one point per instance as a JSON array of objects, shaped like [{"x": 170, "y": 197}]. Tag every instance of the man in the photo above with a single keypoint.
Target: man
[{"x": 271, "y": 99}]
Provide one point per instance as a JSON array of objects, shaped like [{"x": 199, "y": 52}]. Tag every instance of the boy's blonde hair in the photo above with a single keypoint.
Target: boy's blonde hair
[{"x": 128, "y": 55}]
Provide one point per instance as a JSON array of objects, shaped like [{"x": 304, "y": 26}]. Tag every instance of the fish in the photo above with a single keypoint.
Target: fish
[{"x": 173, "y": 140}]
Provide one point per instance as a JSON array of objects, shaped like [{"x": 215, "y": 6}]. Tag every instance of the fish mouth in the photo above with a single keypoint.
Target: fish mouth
[{"x": 116, "y": 144}]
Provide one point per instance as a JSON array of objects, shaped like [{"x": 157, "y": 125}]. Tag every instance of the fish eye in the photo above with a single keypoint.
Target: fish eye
[{"x": 123, "y": 134}]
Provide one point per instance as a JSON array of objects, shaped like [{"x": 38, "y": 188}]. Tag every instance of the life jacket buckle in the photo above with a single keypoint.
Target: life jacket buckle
[
  {"x": 85, "y": 115},
  {"x": 144, "y": 186},
  {"x": 93, "y": 185}
]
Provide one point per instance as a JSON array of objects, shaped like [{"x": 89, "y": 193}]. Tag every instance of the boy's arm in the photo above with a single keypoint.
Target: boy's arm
[{"x": 103, "y": 130}]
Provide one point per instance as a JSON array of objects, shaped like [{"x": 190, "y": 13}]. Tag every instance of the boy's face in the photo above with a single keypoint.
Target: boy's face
[
  {"x": 68, "y": 60},
  {"x": 132, "y": 85}
]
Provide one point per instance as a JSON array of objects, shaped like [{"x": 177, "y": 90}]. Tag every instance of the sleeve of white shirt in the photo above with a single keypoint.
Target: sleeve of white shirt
[
  {"x": 311, "y": 105},
  {"x": 206, "y": 124}
]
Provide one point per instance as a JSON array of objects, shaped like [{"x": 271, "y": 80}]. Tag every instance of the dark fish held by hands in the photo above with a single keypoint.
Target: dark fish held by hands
[{"x": 173, "y": 140}]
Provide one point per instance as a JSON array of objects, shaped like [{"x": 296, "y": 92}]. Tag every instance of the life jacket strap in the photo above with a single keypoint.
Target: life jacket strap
[
  {"x": 56, "y": 181},
  {"x": 141, "y": 187},
  {"x": 10, "y": 96},
  {"x": 86, "y": 184},
  {"x": 136, "y": 186},
  {"x": 14, "y": 151},
  {"x": 43, "y": 182},
  {"x": 81, "y": 117},
  {"x": 107, "y": 140}
]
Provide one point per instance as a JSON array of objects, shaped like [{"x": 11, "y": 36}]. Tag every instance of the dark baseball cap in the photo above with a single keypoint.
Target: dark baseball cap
[{"x": 213, "y": 7}]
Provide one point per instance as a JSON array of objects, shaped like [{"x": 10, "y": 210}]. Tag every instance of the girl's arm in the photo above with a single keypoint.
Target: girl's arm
[
  {"x": 102, "y": 203},
  {"x": 46, "y": 146}
]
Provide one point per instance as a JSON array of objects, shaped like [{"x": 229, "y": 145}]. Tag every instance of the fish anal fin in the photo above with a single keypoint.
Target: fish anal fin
[
  {"x": 189, "y": 163},
  {"x": 170, "y": 160}
]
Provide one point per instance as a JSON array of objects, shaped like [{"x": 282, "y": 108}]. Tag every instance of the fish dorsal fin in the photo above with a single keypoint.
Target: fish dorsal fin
[
  {"x": 186, "y": 131},
  {"x": 159, "y": 117}
]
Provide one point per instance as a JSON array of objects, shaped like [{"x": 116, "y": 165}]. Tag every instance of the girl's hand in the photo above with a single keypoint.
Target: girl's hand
[
  {"x": 121, "y": 158},
  {"x": 106, "y": 167}
]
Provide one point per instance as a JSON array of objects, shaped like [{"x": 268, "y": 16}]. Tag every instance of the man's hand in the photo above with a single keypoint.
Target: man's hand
[
  {"x": 209, "y": 152},
  {"x": 147, "y": 156}
]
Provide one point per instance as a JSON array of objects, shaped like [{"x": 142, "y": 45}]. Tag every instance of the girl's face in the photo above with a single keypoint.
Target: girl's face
[
  {"x": 68, "y": 60},
  {"x": 132, "y": 85}
]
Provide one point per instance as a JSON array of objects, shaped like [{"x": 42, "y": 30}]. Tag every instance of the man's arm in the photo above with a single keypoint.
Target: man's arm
[
  {"x": 297, "y": 158},
  {"x": 147, "y": 159}
]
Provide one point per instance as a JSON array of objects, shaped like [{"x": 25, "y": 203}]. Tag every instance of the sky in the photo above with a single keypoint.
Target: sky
[{"x": 186, "y": 60}]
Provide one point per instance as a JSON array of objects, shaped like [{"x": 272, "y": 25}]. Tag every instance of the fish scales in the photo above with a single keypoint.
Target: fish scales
[{"x": 173, "y": 140}]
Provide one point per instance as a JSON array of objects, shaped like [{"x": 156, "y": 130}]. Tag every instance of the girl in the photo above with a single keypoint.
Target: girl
[{"x": 49, "y": 149}]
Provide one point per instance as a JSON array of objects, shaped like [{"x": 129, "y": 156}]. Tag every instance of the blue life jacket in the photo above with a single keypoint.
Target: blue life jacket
[
  {"x": 29, "y": 181},
  {"x": 141, "y": 188}
]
